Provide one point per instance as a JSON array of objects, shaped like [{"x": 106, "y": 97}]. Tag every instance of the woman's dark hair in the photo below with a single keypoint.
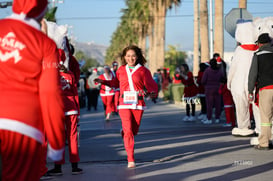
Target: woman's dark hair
[
  {"x": 186, "y": 67},
  {"x": 213, "y": 64},
  {"x": 203, "y": 67},
  {"x": 140, "y": 58}
]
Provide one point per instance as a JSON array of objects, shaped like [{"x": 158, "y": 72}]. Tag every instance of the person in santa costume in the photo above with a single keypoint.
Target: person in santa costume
[
  {"x": 228, "y": 104},
  {"x": 190, "y": 92},
  {"x": 67, "y": 80},
  {"x": 132, "y": 78},
  {"x": 30, "y": 93},
  {"x": 107, "y": 93},
  {"x": 238, "y": 76}
]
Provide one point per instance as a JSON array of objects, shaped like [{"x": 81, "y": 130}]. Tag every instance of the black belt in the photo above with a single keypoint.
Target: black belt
[{"x": 138, "y": 97}]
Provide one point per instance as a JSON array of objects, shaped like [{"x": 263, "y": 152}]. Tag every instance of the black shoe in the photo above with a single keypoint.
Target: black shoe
[
  {"x": 258, "y": 147},
  {"x": 55, "y": 172},
  {"x": 46, "y": 176},
  {"x": 76, "y": 171}
]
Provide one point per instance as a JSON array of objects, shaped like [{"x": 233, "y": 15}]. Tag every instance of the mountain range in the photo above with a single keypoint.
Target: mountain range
[{"x": 92, "y": 50}]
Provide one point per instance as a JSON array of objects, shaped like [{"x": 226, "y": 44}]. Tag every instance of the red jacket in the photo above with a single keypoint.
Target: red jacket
[
  {"x": 69, "y": 91},
  {"x": 227, "y": 96},
  {"x": 201, "y": 88},
  {"x": 141, "y": 77},
  {"x": 104, "y": 89},
  {"x": 30, "y": 94}
]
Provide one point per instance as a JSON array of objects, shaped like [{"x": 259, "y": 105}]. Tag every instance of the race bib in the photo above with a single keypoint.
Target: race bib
[{"x": 130, "y": 97}]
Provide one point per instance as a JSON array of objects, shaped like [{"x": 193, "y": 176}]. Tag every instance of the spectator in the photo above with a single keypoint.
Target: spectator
[
  {"x": 201, "y": 90},
  {"x": 190, "y": 92},
  {"x": 261, "y": 72},
  {"x": 228, "y": 103},
  {"x": 94, "y": 89},
  {"x": 211, "y": 81},
  {"x": 116, "y": 90}
]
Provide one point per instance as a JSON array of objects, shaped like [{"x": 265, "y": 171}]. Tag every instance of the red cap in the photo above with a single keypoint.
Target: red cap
[
  {"x": 219, "y": 60},
  {"x": 31, "y": 8},
  {"x": 95, "y": 70}
]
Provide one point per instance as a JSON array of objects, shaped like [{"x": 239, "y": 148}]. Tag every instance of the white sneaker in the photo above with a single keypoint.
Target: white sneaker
[
  {"x": 254, "y": 141},
  {"x": 131, "y": 165},
  {"x": 186, "y": 118},
  {"x": 192, "y": 118},
  {"x": 217, "y": 121},
  {"x": 207, "y": 121},
  {"x": 202, "y": 116}
]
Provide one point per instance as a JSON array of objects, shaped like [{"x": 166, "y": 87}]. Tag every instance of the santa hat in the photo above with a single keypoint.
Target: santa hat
[
  {"x": 95, "y": 70},
  {"x": 30, "y": 8},
  {"x": 218, "y": 60}
]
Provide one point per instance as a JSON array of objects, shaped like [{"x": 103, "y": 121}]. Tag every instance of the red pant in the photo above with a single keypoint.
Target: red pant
[
  {"x": 230, "y": 115},
  {"x": 116, "y": 101},
  {"x": 130, "y": 125},
  {"x": 108, "y": 103},
  {"x": 71, "y": 133},
  {"x": 20, "y": 157}
]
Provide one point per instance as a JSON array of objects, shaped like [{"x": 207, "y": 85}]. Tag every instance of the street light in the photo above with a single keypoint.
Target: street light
[{"x": 5, "y": 4}]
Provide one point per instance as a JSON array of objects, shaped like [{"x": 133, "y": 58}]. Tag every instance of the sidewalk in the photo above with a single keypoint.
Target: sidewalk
[{"x": 166, "y": 149}]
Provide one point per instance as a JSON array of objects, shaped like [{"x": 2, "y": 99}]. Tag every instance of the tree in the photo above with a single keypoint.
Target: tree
[
  {"x": 218, "y": 28},
  {"x": 89, "y": 62},
  {"x": 51, "y": 14},
  {"x": 204, "y": 31},
  {"x": 174, "y": 58},
  {"x": 196, "y": 54}
]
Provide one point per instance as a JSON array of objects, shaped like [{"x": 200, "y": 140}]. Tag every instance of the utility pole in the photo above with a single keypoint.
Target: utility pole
[{"x": 210, "y": 29}]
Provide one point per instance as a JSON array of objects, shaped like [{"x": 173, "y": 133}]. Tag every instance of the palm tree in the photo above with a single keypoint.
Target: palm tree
[
  {"x": 158, "y": 8},
  {"x": 218, "y": 28},
  {"x": 242, "y": 3},
  {"x": 196, "y": 38},
  {"x": 204, "y": 31}
]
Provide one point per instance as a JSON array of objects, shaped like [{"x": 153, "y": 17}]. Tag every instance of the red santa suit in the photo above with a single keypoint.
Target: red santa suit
[
  {"x": 107, "y": 94},
  {"x": 228, "y": 104},
  {"x": 71, "y": 112},
  {"x": 29, "y": 92},
  {"x": 132, "y": 80},
  {"x": 190, "y": 90}
]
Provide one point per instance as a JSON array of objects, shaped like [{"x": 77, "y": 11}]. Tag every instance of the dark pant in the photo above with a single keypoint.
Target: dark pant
[
  {"x": 93, "y": 95},
  {"x": 213, "y": 99},
  {"x": 203, "y": 105}
]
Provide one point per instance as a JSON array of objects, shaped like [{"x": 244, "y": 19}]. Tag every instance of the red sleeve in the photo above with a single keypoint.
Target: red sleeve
[
  {"x": 75, "y": 68},
  {"x": 51, "y": 101},
  {"x": 149, "y": 82}
]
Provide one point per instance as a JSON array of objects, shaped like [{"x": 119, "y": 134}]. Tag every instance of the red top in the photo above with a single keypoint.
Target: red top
[
  {"x": 141, "y": 77},
  {"x": 190, "y": 89},
  {"x": 201, "y": 88},
  {"x": 69, "y": 91},
  {"x": 30, "y": 93},
  {"x": 227, "y": 96}
]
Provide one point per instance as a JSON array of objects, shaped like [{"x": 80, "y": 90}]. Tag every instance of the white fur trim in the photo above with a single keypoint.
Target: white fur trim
[
  {"x": 108, "y": 94},
  {"x": 130, "y": 106},
  {"x": 22, "y": 128},
  {"x": 53, "y": 154},
  {"x": 30, "y": 21},
  {"x": 71, "y": 113}
]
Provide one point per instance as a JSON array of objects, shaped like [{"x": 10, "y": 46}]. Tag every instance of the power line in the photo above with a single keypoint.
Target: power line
[{"x": 112, "y": 17}]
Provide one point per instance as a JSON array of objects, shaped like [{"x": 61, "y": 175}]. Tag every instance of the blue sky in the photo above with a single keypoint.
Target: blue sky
[{"x": 96, "y": 20}]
